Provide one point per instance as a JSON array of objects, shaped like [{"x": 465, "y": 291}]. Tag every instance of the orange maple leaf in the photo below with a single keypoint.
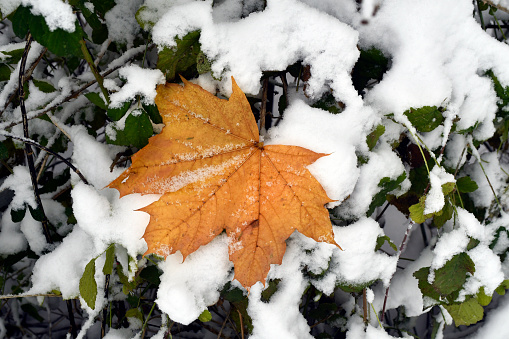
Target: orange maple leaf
[{"x": 214, "y": 174}]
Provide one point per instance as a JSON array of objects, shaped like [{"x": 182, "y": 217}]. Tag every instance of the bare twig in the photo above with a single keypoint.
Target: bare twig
[
  {"x": 491, "y": 3},
  {"x": 28, "y": 141},
  {"x": 263, "y": 109}
]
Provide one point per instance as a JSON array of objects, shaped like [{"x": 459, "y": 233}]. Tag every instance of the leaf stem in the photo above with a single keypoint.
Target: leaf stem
[{"x": 97, "y": 75}]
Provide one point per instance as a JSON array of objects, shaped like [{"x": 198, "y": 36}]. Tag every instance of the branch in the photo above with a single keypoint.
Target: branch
[
  {"x": 489, "y": 2},
  {"x": 28, "y": 149},
  {"x": 36, "y": 144}
]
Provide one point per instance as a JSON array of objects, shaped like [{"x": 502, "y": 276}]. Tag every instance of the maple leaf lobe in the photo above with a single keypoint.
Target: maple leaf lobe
[{"x": 215, "y": 175}]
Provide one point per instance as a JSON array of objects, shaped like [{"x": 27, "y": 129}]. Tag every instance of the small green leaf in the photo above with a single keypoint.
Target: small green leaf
[
  {"x": 439, "y": 219},
  {"x": 14, "y": 56},
  {"x": 417, "y": 211},
  {"x": 205, "y": 316},
  {"x": 466, "y": 185},
  {"x": 134, "y": 313},
  {"x": 110, "y": 258},
  {"x": 151, "y": 274},
  {"x": 372, "y": 138},
  {"x": 136, "y": 132},
  {"x": 18, "y": 215},
  {"x": 502, "y": 287},
  {"x": 426, "y": 118},
  {"x": 482, "y": 298},
  {"x": 448, "y": 187},
  {"x": 180, "y": 58},
  {"x": 37, "y": 213},
  {"x": 96, "y": 99},
  {"x": 153, "y": 113},
  {"x": 44, "y": 86},
  {"x": 4, "y": 151},
  {"x": 387, "y": 185},
  {"x": 381, "y": 240},
  {"x": 467, "y": 313},
  {"x": 202, "y": 63},
  {"x": 5, "y": 72},
  {"x": 88, "y": 286},
  {"x": 30, "y": 309},
  {"x": 116, "y": 114}
]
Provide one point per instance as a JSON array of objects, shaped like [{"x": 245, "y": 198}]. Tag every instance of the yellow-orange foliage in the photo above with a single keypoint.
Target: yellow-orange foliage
[{"x": 214, "y": 174}]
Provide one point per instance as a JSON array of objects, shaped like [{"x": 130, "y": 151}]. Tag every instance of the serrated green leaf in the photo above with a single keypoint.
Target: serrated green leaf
[
  {"x": 116, "y": 114},
  {"x": 426, "y": 118},
  {"x": 417, "y": 211},
  {"x": 203, "y": 64},
  {"x": 387, "y": 185},
  {"x": 88, "y": 285},
  {"x": 110, "y": 258},
  {"x": 381, "y": 240},
  {"x": 180, "y": 58},
  {"x": 96, "y": 99},
  {"x": 19, "y": 214},
  {"x": 466, "y": 313},
  {"x": 453, "y": 274},
  {"x": 448, "y": 187},
  {"x": 44, "y": 86},
  {"x": 145, "y": 24},
  {"x": 205, "y": 316},
  {"x": 372, "y": 138},
  {"x": 372, "y": 64},
  {"x": 426, "y": 288},
  {"x": 466, "y": 185}
]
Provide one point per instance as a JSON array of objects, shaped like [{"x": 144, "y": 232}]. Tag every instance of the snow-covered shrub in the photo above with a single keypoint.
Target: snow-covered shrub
[{"x": 409, "y": 99}]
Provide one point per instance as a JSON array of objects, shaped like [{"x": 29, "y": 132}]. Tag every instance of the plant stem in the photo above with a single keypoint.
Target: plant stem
[
  {"x": 28, "y": 148},
  {"x": 94, "y": 70}
]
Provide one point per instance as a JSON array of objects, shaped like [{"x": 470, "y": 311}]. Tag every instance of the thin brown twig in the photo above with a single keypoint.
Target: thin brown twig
[
  {"x": 364, "y": 306},
  {"x": 263, "y": 108}
]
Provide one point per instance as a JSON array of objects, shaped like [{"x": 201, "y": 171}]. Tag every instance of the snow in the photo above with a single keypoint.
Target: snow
[
  {"x": 188, "y": 287},
  {"x": 140, "y": 81},
  {"x": 427, "y": 67},
  {"x": 57, "y": 13},
  {"x": 495, "y": 326}
]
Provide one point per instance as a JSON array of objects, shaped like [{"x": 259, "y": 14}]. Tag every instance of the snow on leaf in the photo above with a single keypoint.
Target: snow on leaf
[{"x": 215, "y": 175}]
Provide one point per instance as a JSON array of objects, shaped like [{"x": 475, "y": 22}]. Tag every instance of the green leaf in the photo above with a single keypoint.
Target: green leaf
[
  {"x": 426, "y": 118},
  {"x": 439, "y": 219},
  {"x": 18, "y": 215},
  {"x": 116, "y": 114},
  {"x": 14, "y": 56},
  {"x": 372, "y": 138},
  {"x": 134, "y": 313},
  {"x": 372, "y": 64},
  {"x": 153, "y": 113},
  {"x": 37, "y": 213},
  {"x": 110, "y": 258},
  {"x": 482, "y": 298},
  {"x": 30, "y": 309},
  {"x": 180, "y": 58},
  {"x": 202, "y": 63},
  {"x": 328, "y": 103},
  {"x": 387, "y": 186},
  {"x": 4, "y": 151},
  {"x": 5, "y": 72},
  {"x": 381, "y": 240},
  {"x": 58, "y": 41},
  {"x": 103, "y": 6},
  {"x": 466, "y": 313},
  {"x": 151, "y": 274},
  {"x": 96, "y": 99},
  {"x": 502, "y": 287},
  {"x": 453, "y": 274},
  {"x": 417, "y": 211},
  {"x": 44, "y": 86},
  {"x": 466, "y": 185},
  {"x": 448, "y": 187},
  {"x": 426, "y": 288},
  {"x": 136, "y": 132},
  {"x": 88, "y": 286},
  {"x": 205, "y": 316}
]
